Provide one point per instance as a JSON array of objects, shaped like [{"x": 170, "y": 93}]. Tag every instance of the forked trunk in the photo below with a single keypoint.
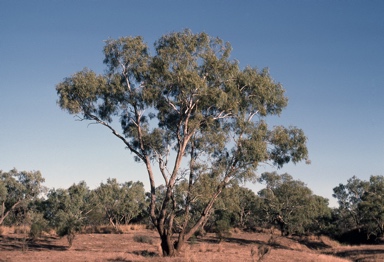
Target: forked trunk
[{"x": 167, "y": 246}]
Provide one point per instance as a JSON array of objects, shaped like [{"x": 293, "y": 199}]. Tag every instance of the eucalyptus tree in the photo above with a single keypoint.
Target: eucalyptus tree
[
  {"x": 242, "y": 203},
  {"x": 189, "y": 111},
  {"x": 372, "y": 208},
  {"x": 121, "y": 202},
  {"x": 349, "y": 196},
  {"x": 361, "y": 207},
  {"x": 67, "y": 209},
  {"x": 292, "y": 204},
  {"x": 18, "y": 188}
]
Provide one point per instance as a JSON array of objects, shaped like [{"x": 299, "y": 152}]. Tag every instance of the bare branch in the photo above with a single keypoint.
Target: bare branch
[
  {"x": 251, "y": 115},
  {"x": 173, "y": 106},
  {"x": 163, "y": 167},
  {"x": 98, "y": 120},
  {"x": 222, "y": 115}
]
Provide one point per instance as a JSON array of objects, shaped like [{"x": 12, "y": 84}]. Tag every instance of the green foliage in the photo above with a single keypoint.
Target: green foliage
[
  {"x": 222, "y": 229},
  {"x": 38, "y": 226},
  {"x": 198, "y": 93},
  {"x": 361, "y": 207},
  {"x": 67, "y": 209},
  {"x": 292, "y": 205},
  {"x": 17, "y": 189},
  {"x": 70, "y": 210},
  {"x": 349, "y": 196},
  {"x": 241, "y": 203},
  {"x": 372, "y": 207},
  {"x": 121, "y": 202},
  {"x": 289, "y": 145}
]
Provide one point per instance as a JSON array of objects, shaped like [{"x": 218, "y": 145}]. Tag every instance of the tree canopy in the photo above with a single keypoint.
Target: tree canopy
[
  {"x": 292, "y": 204},
  {"x": 191, "y": 99},
  {"x": 17, "y": 188},
  {"x": 361, "y": 207}
]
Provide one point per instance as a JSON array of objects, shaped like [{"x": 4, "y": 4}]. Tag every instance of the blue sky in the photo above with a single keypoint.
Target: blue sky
[{"x": 329, "y": 56}]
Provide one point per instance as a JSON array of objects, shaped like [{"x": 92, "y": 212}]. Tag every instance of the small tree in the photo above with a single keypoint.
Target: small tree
[
  {"x": 188, "y": 98},
  {"x": 38, "y": 225},
  {"x": 18, "y": 189},
  {"x": 67, "y": 209}
]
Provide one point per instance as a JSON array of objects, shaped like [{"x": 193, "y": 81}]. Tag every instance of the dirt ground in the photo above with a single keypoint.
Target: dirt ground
[{"x": 238, "y": 247}]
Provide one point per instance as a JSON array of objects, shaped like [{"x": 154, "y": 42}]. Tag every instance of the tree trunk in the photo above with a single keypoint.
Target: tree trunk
[
  {"x": 167, "y": 246},
  {"x": 5, "y": 214}
]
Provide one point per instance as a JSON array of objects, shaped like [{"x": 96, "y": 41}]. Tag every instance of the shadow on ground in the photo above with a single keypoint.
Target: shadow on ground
[{"x": 21, "y": 243}]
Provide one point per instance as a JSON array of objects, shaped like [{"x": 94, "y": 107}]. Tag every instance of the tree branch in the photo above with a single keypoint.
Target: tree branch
[{"x": 98, "y": 120}]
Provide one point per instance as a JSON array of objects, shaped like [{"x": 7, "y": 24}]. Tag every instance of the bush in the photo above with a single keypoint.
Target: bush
[
  {"x": 222, "y": 229},
  {"x": 143, "y": 239},
  {"x": 38, "y": 226},
  {"x": 68, "y": 231}
]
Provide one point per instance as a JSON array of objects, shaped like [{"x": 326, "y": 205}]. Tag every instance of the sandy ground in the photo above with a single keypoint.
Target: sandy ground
[{"x": 238, "y": 247}]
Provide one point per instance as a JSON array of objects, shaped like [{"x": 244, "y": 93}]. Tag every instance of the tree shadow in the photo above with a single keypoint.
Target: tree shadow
[
  {"x": 244, "y": 242},
  {"x": 360, "y": 252},
  {"x": 241, "y": 241},
  {"x": 145, "y": 253},
  {"x": 119, "y": 259},
  {"x": 315, "y": 245},
  {"x": 20, "y": 243}
]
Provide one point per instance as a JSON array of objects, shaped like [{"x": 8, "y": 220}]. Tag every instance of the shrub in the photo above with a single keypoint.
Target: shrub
[
  {"x": 143, "y": 239},
  {"x": 38, "y": 226},
  {"x": 222, "y": 229},
  {"x": 68, "y": 231}
]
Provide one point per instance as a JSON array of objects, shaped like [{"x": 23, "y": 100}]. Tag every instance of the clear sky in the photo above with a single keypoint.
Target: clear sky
[{"x": 329, "y": 56}]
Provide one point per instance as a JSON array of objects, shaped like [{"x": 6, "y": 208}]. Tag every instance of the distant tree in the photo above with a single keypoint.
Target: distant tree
[
  {"x": 372, "y": 207},
  {"x": 291, "y": 204},
  {"x": 121, "y": 202},
  {"x": 67, "y": 209},
  {"x": 188, "y": 102},
  {"x": 243, "y": 203},
  {"x": 18, "y": 189},
  {"x": 361, "y": 207},
  {"x": 38, "y": 225},
  {"x": 348, "y": 197}
]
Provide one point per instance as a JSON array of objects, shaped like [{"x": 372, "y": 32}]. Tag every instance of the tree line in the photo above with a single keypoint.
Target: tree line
[{"x": 284, "y": 203}]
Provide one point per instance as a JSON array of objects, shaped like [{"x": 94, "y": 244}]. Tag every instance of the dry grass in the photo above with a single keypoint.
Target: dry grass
[
  {"x": 4, "y": 230},
  {"x": 108, "y": 229},
  {"x": 239, "y": 247},
  {"x": 130, "y": 228},
  {"x": 329, "y": 242},
  {"x": 105, "y": 229},
  {"x": 143, "y": 239}
]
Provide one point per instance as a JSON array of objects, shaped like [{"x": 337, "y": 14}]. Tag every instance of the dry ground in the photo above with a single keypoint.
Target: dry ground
[{"x": 238, "y": 247}]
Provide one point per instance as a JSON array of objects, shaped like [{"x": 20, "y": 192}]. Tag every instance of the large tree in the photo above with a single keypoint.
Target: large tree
[{"x": 189, "y": 102}]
